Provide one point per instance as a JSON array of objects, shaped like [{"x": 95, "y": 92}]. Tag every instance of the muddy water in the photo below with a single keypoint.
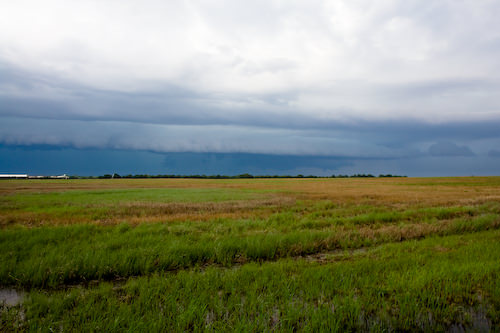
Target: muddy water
[{"x": 10, "y": 297}]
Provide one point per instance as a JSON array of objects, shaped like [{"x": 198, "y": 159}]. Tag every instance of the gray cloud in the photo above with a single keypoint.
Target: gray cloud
[
  {"x": 325, "y": 60},
  {"x": 56, "y": 98},
  {"x": 351, "y": 79},
  {"x": 363, "y": 139},
  {"x": 44, "y": 96},
  {"x": 55, "y": 159},
  {"x": 494, "y": 153},
  {"x": 449, "y": 149},
  {"x": 427, "y": 166},
  {"x": 179, "y": 138},
  {"x": 257, "y": 164}
]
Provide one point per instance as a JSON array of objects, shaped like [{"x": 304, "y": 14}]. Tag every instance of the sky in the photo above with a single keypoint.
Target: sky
[{"x": 265, "y": 87}]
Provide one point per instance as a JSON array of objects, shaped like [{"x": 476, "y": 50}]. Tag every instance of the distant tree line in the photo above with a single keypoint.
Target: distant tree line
[{"x": 242, "y": 176}]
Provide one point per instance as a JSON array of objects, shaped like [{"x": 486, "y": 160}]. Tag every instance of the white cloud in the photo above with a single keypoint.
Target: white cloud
[{"x": 261, "y": 47}]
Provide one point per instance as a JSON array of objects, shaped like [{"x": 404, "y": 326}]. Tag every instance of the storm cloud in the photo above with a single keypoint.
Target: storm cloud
[
  {"x": 494, "y": 153},
  {"x": 449, "y": 149},
  {"x": 373, "y": 83}
]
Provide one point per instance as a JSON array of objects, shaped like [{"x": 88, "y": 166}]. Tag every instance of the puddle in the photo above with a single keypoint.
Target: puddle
[
  {"x": 10, "y": 297},
  {"x": 337, "y": 254}
]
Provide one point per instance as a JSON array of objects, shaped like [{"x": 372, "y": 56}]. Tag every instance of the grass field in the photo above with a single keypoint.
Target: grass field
[{"x": 250, "y": 254}]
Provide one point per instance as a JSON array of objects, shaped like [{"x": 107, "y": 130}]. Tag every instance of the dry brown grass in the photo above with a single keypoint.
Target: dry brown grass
[
  {"x": 152, "y": 212},
  {"x": 393, "y": 193},
  {"x": 135, "y": 213},
  {"x": 398, "y": 189}
]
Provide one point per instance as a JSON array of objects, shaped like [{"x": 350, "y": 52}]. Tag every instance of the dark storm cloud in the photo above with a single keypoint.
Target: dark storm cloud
[
  {"x": 362, "y": 140},
  {"x": 50, "y": 160},
  {"x": 257, "y": 164},
  {"x": 385, "y": 81},
  {"x": 176, "y": 106},
  {"x": 57, "y": 160},
  {"x": 449, "y": 149},
  {"x": 494, "y": 153}
]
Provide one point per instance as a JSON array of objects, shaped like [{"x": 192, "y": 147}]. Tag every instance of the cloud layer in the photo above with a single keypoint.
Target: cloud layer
[
  {"x": 359, "y": 79},
  {"x": 449, "y": 149},
  {"x": 431, "y": 61}
]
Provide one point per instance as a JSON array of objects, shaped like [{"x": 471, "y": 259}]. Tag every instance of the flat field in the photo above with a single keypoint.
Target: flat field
[{"x": 250, "y": 254}]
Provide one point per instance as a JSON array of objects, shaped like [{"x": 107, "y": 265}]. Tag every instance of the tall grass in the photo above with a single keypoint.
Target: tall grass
[
  {"x": 251, "y": 255},
  {"x": 54, "y": 256},
  {"x": 439, "y": 283}
]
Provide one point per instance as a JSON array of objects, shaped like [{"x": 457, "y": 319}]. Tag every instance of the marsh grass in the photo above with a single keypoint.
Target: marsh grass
[
  {"x": 251, "y": 255},
  {"x": 432, "y": 284},
  {"x": 136, "y": 205},
  {"x": 53, "y": 256}
]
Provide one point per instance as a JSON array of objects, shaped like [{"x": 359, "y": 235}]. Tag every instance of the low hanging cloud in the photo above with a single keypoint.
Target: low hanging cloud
[
  {"x": 449, "y": 149},
  {"x": 363, "y": 140},
  {"x": 187, "y": 138},
  {"x": 494, "y": 153}
]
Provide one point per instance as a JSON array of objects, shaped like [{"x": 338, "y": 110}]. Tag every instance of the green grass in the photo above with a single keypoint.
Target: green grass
[
  {"x": 432, "y": 284},
  {"x": 53, "y": 256},
  {"x": 50, "y": 201},
  {"x": 251, "y": 255},
  {"x": 108, "y": 206}
]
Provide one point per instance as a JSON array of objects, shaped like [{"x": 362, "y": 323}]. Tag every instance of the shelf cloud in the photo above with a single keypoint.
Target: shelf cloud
[{"x": 389, "y": 80}]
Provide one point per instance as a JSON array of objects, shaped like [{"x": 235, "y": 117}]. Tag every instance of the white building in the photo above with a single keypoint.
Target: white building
[
  {"x": 60, "y": 177},
  {"x": 13, "y": 176},
  {"x": 24, "y": 176}
]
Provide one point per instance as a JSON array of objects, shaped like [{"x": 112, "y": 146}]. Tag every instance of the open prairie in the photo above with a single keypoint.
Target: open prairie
[{"x": 250, "y": 254}]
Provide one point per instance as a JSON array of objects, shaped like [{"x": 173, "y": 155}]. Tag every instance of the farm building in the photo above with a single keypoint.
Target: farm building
[
  {"x": 25, "y": 176},
  {"x": 13, "y": 176}
]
